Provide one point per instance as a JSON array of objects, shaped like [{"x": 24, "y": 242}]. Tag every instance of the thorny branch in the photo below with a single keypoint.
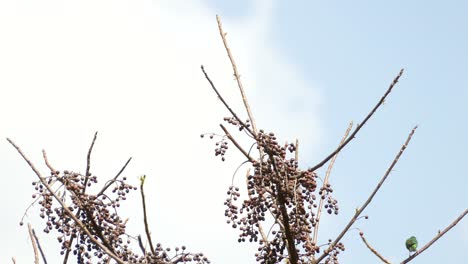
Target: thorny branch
[{"x": 237, "y": 76}]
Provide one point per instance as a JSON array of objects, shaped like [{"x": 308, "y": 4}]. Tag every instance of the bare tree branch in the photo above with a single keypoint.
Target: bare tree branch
[
  {"x": 359, "y": 126},
  {"x": 237, "y": 76},
  {"x": 140, "y": 244},
  {"x": 39, "y": 246},
  {"x": 325, "y": 182},
  {"x": 145, "y": 219},
  {"x": 44, "y": 154},
  {"x": 439, "y": 235},
  {"x": 236, "y": 144},
  {"x": 109, "y": 183},
  {"x": 33, "y": 242},
  {"x": 88, "y": 161},
  {"x": 366, "y": 203},
  {"x": 225, "y": 103},
  {"x": 384, "y": 260}
]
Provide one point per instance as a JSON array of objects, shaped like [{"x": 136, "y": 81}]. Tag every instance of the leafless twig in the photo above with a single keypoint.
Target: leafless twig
[
  {"x": 325, "y": 182},
  {"x": 44, "y": 154},
  {"x": 237, "y": 76},
  {"x": 145, "y": 219},
  {"x": 439, "y": 235},
  {"x": 236, "y": 144},
  {"x": 225, "y": 103},
  {"x": 39, "y": 246},
  {"x": 88, "y": 161},
  {"x": 33, "y": 242},
  {"x": 140, "y": 244},
  {"x": 366, "y": 203},
  {"x": 384, "y": 260},
  {"x": 109, "y": 183},
  {"x": 359, "y": 126}
]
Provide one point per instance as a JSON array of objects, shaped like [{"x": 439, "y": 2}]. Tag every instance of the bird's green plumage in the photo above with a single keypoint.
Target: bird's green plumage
[{"x": 411, "y": 243}]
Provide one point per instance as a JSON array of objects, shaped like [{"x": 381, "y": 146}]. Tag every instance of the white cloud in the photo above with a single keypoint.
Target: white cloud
[{"x": 131, "y": 71}]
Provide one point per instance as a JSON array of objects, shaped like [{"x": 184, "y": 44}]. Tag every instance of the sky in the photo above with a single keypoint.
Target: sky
[{"x": 131, "y": 71}]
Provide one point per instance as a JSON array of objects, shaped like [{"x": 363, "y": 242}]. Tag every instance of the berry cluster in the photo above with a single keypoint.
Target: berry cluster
[
  {"x": 221, "y": 145},
  {"x": 279, "y": 191},
  {"x": 331, "y": 203},
  {"x": 98, "y": 214},
  {"x": 333, "y": 254}
]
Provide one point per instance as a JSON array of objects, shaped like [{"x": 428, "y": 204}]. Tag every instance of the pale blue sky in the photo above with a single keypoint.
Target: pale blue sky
[{"x": 131, "y": 71}]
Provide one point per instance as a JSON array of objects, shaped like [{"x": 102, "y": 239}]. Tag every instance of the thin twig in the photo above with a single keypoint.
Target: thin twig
[
  {"x": 39, "y": 247},
  {"x": 65, "y": 207},
  {"x": 439, "y": 235},
  {"x": 325, "y": 182},
  {"x": 225, "y": 103},
  {"x": 33, "y": 242},
  {"x": 373, "y": 250},
  {"x": 44, "y": 154},
  {"x": 140, "y": 244},
  {"x": 241, "y": 89},
  {"x": 356, "y": 130},
  {"x": 366, "y": 203},
  {"x": 237, "y": 76},
  {"x": 109, "y": 183},
  {"x": 145, "y": 219},
  {"x": 236, "y": 144},
  {"x": 88, "y": 162}
]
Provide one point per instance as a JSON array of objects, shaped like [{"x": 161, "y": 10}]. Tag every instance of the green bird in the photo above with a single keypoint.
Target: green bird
[{"x": 411, "y": 244}]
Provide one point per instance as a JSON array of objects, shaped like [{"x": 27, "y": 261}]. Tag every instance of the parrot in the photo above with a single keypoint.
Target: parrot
[{"x": 411, "y": 244}]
